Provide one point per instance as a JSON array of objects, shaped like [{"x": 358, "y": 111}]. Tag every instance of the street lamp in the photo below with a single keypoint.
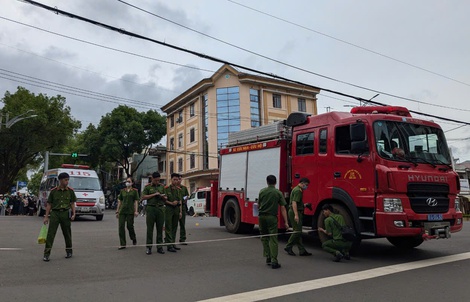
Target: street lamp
[{"x": 16, "y": 119}]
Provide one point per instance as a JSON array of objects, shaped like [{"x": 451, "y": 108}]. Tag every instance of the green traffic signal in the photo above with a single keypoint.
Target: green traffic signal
[{"x": 74, "y": 155}]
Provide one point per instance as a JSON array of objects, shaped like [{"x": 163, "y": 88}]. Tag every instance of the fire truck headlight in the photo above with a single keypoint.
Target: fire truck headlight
[
  {"x": 457, "y": 205},
  {"x": 102, "y": 200},
  {"x": 392, "y": 205}
]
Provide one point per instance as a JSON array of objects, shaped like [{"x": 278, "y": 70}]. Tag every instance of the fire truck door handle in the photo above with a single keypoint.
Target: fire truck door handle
[
  {"x": 337, "y": 174},
  {"x": 297, "y": 175}
]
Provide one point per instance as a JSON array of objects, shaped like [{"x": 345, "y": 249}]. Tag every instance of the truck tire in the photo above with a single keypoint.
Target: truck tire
[
  {"x": 406, "y": 243},
  {"x": 347, "y": 218},
  {"x": 191, "y": 211},
  {"x": 41, "y": 212},
  {"x": 99, "y": 217},
  {"x": 232, "y": 218}
]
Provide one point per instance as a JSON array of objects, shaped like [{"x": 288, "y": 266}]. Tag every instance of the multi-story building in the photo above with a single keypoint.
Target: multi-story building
[{"x": 200, "y": 119}]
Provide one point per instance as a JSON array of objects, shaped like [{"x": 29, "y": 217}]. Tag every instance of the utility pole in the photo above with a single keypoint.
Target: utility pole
[{"x": 8, "y": 123}]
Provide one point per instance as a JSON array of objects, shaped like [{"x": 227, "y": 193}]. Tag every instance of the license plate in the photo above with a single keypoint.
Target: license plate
[
  {"x": 434, "y": 217},
  {"x": 84, "y": 209}
]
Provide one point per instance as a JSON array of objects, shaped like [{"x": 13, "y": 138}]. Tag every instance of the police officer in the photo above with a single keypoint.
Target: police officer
[
  {"x": 184, "y": 206},
  {"x": 336, "y": 245},
  {"x": 269, "y": 200},
  {"x": 154, "y": 193},
  {"x": 59, "y": 203},
  {"x": 296, "y": 211},
  {"x": 127, "y": 209},
  {"x": 172, "y": 212}
]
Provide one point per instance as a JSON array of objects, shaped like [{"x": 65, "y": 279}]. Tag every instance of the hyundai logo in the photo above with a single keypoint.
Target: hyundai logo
[{"x": 432, "y": 202}]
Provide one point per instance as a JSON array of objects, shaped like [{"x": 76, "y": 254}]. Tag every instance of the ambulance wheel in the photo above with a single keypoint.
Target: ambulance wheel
[
  {"x": 406, "y": 242},
  {"x": 347, "y": 219},
  {"x": 41, "y": 212},
  {"x": 191, "y": 211},
  {"x": 232, "y": 217},
  {"x": 99, "y": 217}
]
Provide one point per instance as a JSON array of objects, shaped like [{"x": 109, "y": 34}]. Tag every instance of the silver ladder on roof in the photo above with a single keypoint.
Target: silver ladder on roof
[{"x": 277, "y": 130}]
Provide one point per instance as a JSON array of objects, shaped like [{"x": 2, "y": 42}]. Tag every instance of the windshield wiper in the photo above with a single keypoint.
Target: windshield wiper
[
  {"x": 443, "y": 163},
  {"x": 426, "y": 161},
  {"x": 408, "y": 159}
]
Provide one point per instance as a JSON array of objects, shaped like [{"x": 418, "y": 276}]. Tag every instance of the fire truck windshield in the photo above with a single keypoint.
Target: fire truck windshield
[{"x": 411, "y": 142}]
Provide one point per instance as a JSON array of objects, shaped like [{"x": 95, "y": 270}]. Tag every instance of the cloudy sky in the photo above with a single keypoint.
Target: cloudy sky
[{"x": 417, "y": 51}]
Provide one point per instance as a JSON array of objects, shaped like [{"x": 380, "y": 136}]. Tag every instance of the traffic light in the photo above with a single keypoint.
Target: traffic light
[{"x": 74, "y": 154}]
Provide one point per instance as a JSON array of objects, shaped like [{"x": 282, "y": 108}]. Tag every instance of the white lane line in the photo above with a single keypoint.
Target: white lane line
[
  {"x": 10, "y": 249},
  {"x": 289, "y": 289}
]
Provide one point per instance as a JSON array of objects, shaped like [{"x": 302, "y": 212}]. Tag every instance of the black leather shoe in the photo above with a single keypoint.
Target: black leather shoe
[
  {"x": 177, "y": 248},
  {"x": 289, "y": 251},
  {"x": 46, "y": 258},
  {"x": 347, "y": 256},
  {"x": 338, "y": 257},
  {"x": 148, "y": 251},
  {"x": 121, "y": 247},
  {"x": 268, "y": 261},
  {"x": 69, "y": 255},
  {"x": 275, "y": 265},
  {"x": 160, "y": 251},
  {"x": 134, "y": 242},
  {"x": 172, "y": 250},
  {"x": 305, "y": 254}
]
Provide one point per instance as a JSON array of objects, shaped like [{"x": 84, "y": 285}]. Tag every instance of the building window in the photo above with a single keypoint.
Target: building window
[
  {"x": 254, "y": 108},
  {"x": 180, "y": 140},
  {"x": 161, "y": 166},
  {"x": 302, "y": 105},
  {"x": 191, "y": 110},
  {"x": 192, "y": 161},
  {"x": 277, "y": 101},
  {"x": 172, "y": 121},
  {"x": 180, "y": 117},
  {"x": 180, "y": 164},
  {"x": 172, "y": 143},
  {"x": 172, "y": 167},
  {"x": 228, "y": 113},
  {"x": 192, "y": 135},
  {"x": 205, "y": 134}
]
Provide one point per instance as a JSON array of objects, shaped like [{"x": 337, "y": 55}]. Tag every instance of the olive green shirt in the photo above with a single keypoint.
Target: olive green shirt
[
  {"x": 152, "y": 189},
  {"x": 269, "y": 200},
  {"x": 128, "y": 200},
  {"x": 296, "y": 196},
  {"x": 173, "y": 193},
  {"x": 60, "y": 199},
  {"x": 332, "y": 228}
]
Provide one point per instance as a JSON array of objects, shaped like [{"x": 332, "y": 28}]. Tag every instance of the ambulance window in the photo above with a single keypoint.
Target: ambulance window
[
  {"x": 323, "y": 141},
  {"x": 201, "y": 195},
  {"x": 191, "y": 196},
  {"x": 304, "y": 143}
]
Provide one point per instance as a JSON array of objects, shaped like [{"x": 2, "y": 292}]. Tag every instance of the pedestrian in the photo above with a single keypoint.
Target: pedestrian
[
  {"x": 2, "y": 206},
  {"x": 296, "y": 210},
  {"x": 172, "y": 212},
  {"x": 154, "y": 193},
  {"x": 183, "y": 210},
  {"x": 336, "y": 245},
  {"x": 127, "y": 209},
  {"x": 269, "y": 201},
  {"x": 61, "y": 207}
]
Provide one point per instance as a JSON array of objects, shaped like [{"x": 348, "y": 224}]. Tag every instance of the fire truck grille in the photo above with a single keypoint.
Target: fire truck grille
[{"x": 428, "y": 197}]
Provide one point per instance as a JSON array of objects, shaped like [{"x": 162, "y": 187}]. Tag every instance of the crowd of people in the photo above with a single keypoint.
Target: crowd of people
[{"x": 18, "y": 205}]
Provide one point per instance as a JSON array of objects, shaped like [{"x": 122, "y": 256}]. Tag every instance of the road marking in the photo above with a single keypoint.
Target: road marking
[
  {"x": 10, "y": 249},
  {"x": 289, "y": 289}
]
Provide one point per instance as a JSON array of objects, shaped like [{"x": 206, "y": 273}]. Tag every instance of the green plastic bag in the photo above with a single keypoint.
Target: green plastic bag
[{"x": 42, "y": 234}]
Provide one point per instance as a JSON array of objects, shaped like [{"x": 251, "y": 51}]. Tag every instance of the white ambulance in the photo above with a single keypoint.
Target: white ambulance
[
  {"x": 85, "y": 183},
  {"x": 198, "y": 200}
]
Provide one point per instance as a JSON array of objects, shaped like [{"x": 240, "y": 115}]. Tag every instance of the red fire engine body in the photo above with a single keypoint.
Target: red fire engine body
[{"x": 387, "y": 173}]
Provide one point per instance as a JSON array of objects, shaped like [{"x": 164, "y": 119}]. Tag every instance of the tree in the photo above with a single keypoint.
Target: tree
[
  {"x": 122, "y": 133},
  {"x": 23, "y": 142},
  {"x": 35, "y": 182}
]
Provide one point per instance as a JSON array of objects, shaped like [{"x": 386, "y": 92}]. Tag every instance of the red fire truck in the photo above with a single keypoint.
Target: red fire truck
[{"x": 387, "y": 173}]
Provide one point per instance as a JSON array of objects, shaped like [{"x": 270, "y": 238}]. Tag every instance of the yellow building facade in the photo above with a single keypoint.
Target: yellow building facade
[{"x": 200, "y": 119}]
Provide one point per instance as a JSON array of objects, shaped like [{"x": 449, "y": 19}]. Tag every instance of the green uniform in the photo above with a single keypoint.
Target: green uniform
[
  {"x": 336, "y": 243},
  {"x": 60, "y": 200},
  {"x": 155, "y": 213},
  {"x": 269, "y": 200},
  {"x": 182, "y": 221},
  {"x": 296, "y": 237},
  {"x": 126, "y": 213},
  {"x": 172, "y": 214}
]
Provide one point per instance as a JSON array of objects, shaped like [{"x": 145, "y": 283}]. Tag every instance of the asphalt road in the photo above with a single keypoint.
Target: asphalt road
[{"x": 218, "y": 264}]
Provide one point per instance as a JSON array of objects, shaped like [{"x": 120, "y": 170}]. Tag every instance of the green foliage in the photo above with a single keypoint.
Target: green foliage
[
  {"x": 35, "y": 182},
  {"x": 24, "y": 141}
]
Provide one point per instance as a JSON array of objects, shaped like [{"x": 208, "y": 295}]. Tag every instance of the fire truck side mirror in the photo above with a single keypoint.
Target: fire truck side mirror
[{"x": 357, "y": 132}]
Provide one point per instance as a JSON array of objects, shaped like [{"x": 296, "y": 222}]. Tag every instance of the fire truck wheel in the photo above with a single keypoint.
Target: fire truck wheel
[
  {"x": 232, "y": 218},
  {"x": 347, "y": 218},
  {"x": 406, "y": 242}
]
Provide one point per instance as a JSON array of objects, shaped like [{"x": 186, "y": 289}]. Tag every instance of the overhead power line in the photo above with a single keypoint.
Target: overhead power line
[
  {"x": 349, "y": 43},
  {"x": 204, "y": 56},
  {"x": 290, "y": 65}
]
